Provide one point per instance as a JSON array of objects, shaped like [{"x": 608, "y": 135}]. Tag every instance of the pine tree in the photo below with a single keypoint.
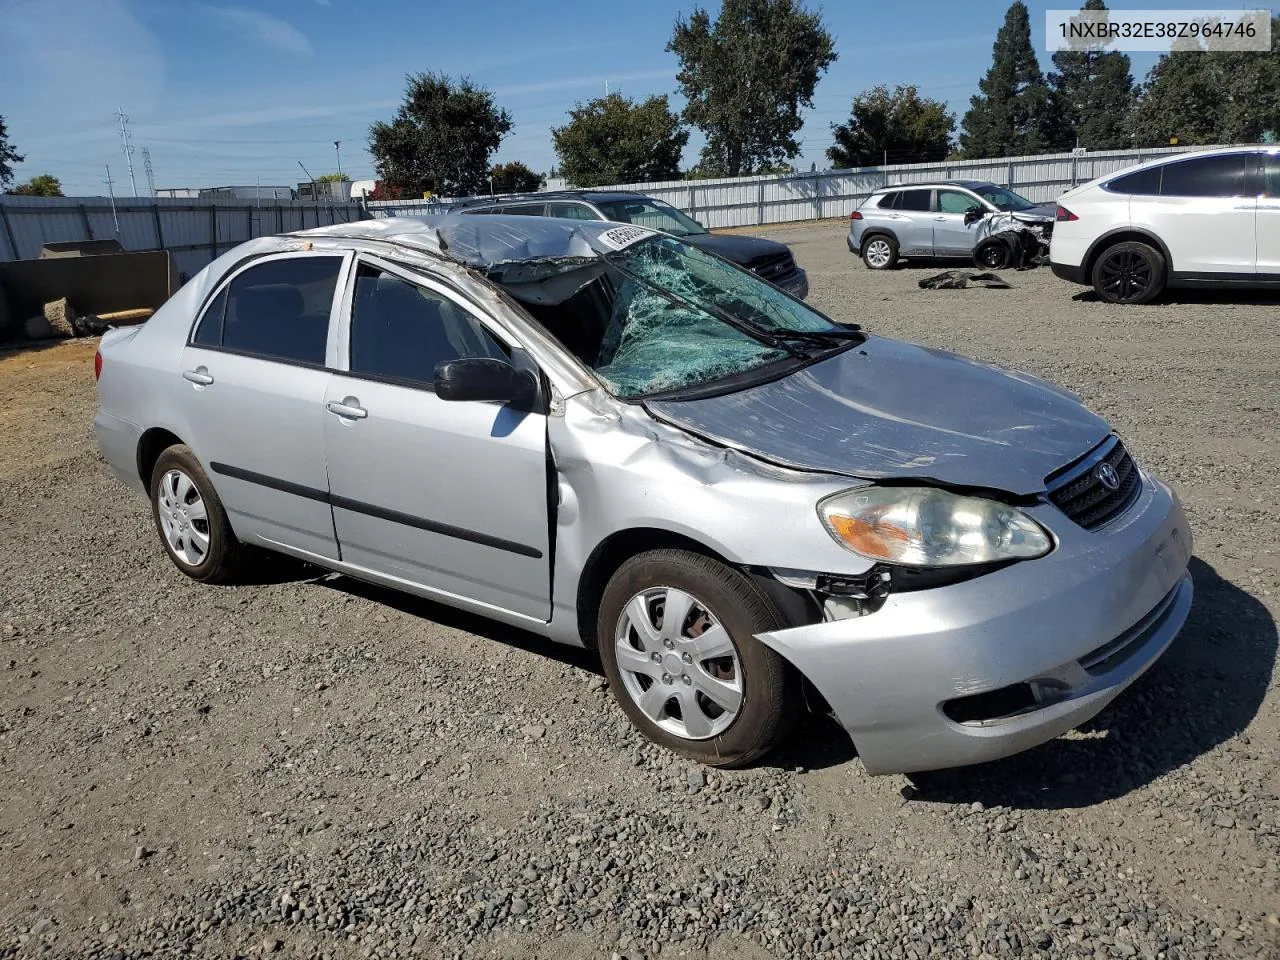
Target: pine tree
[
  {"x": 1016, "y": 113},
  {"x": 1095, "y": 92}
]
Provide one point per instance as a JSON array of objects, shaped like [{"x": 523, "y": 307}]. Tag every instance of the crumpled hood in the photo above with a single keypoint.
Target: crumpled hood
[{"x": 889, "y": 409}]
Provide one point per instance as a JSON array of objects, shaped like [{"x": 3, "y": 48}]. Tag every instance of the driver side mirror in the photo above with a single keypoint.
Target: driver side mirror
[
  {"x": 974, "y": 214},
  {"x": 486, "y": 380}
]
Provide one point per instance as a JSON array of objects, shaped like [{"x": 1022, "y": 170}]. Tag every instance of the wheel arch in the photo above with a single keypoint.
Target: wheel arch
[
  {"x": 151, "y": 444},
  {"x": 1121, "y": 235},
  {"x": 611, "y": 553},
  {"x": 878, "y": 231}
]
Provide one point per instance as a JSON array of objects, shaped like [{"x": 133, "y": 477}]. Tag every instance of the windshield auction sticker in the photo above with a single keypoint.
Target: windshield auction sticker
[{"x": 1159, "y": 31}]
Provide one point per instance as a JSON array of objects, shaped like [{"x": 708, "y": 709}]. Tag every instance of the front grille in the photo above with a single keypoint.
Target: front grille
[
  {"x": 1078, "y": 489},
  {"x": 774, "y": 268}
]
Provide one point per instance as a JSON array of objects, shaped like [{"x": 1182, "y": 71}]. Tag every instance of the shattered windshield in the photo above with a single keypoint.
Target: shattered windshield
[
  {"x": 671, "y": 317},
  {"x": 653, "y": 214},
  {"x": 1003, "y": 199}
]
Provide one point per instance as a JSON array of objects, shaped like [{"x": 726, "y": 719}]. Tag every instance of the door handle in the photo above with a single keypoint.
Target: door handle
[
  {"x": 942, "y": 219},
  {"x": 199, "y": 376},
  {"x": 348, "y": 409}
]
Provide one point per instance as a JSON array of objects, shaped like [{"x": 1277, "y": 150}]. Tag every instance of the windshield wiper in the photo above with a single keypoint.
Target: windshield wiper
[{"x": 822, "y": 338}]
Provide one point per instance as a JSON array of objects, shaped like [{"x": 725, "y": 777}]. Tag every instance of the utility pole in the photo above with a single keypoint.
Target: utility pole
[
  {"x": 127, "y": 146},
  {"x": 314, "y": 196},
  {"x": 337, "y": 148},
  {"x": 146, "y": 165},
  {"x": 112, "y": 193}
]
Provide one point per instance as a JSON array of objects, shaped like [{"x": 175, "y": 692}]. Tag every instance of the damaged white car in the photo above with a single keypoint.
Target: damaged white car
[{"x": 613, "y": 439}]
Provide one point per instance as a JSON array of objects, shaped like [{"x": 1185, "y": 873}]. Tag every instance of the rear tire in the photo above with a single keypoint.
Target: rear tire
[
  {"x": 191, "y": 521},
  {"x": 665, "y": 675},
  {"x": 1129, "y": 272},
  {"x": 879, "y": 252}
]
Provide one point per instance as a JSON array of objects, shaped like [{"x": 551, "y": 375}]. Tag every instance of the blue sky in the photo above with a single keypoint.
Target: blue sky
[{"x": 235, "y": 93}]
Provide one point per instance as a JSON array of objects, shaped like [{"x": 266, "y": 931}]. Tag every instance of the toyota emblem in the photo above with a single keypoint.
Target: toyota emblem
[{"x": 1106, "y": 475}]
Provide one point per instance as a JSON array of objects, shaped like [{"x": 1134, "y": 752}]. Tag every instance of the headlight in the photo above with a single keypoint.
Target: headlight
[{"x": 928, "y": 527}]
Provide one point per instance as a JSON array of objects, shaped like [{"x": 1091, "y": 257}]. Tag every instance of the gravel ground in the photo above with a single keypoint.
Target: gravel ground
[{"x": 310, "y": 767}]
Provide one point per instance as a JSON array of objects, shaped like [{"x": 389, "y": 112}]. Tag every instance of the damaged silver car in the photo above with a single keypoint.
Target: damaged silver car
[{"x": 611, "y": 438}]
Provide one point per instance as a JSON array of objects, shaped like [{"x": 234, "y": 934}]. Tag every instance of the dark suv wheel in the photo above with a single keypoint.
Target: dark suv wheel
[{"x": 1129, "y": 272}]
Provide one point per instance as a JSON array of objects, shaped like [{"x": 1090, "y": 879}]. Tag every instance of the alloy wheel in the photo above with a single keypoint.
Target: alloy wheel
[
  {"x": 1126, "y": 275},
  {"x": 878, "y": 253},
  {"x": 678, "y": 663},
  {"x": 184, "y": 519}
]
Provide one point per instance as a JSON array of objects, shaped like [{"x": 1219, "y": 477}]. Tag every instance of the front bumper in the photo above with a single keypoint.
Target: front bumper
[{"x": 1083, "y": 623}]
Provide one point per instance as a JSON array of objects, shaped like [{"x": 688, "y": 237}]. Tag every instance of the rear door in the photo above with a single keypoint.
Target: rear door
[
  {"x": 1205, "y": 215},
  {"x": 452, "y": 496},
  {"x": 256, "y": 371},
  {"x": 1268, "y": 215},
  {"x": 912, "y": 222},
  {"x": 952, "y": 237}
]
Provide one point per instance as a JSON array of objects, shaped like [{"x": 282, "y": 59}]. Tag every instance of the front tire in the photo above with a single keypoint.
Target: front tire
[
  {"x": 676, "y": 634},
  {"x": 1129, "y": 272},
  {"x": 879, "y": 252},
  {"x": 992, "y": 254},
  {"x": 191, "y": 521}
]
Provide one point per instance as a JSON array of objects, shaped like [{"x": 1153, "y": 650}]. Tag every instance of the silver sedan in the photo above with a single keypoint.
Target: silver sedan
[{"x": 616, "y": 440}]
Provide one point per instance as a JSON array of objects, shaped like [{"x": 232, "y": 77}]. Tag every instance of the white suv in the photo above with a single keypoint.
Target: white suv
[{"x": 1209, "y": 217}]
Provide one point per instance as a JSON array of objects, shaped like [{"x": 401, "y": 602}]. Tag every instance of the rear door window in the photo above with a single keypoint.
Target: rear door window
[
  {"x": 523, "y": 209},
  {"x": 402, "y": 331},
  {"x": 1271, "y": 175},
  {"x": 1220, "y": 176},
  {"x": 918, "y": 200},
  {"x": 280, "y": 309},
  {"x": 572, "y": 211}
]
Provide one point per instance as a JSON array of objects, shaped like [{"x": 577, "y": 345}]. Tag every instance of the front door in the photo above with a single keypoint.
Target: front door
[
  {"x": 451, "y": 496},
  {"x": 255, "y": 370},
  {"x": 952, "y": 237}
]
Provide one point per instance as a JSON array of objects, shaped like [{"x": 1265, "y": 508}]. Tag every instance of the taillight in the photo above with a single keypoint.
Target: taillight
[
  {"x": 1064, "y": 214},
  {"x": 97, "y": 365},
  {"x": 856, "y": 215}
]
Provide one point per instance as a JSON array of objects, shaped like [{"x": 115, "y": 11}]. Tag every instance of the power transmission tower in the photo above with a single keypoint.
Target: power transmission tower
[
  {"x": 146, "y": 165},
  {"x": 127, "y": 146}
]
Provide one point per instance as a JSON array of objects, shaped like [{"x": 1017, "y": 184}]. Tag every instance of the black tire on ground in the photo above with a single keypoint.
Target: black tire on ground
[
  {"x": 225, "y": 558},
  {"x": 1129, "y": 272},
  {"x": 994, "y": 253},
  {"x": 875, "y": 248},
  {"x": 771, "y": 700}
]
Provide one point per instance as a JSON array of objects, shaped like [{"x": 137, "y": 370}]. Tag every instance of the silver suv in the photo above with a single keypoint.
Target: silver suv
[{"x": 933, "y": 219}]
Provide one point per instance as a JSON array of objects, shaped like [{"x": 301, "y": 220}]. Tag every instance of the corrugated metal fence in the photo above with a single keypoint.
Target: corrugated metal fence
[
  {"x": 194, "y": 231},
  {"x": 749, "y": 201}
]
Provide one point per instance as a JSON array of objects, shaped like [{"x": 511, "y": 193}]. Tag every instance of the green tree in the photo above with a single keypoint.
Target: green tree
[
  {"x": 1095, "y": 92},
  {"x": 333, "y": 178},
  {"x": 746, "y": 77},
  {"x": 45, "y": 185},
  {"x": 8, "y": 157},
  {"x": 615, "y": 140},
  {"x": 903, "y": 125},
  {"x": 441, "y": 138},
  {"x": 515, "y": 177},
  {"x": 1228, "y": 97},
  {"x": 1015, "y": 113}
]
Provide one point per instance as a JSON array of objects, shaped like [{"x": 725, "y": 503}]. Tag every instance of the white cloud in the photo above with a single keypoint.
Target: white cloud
[{"x": 261, "y": 28}]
